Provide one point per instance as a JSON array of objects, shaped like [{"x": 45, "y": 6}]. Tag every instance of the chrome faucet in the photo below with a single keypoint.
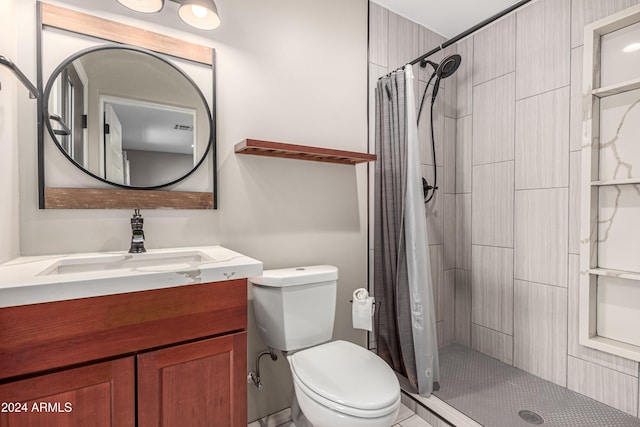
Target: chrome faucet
[{"x": 137, "y": 234}]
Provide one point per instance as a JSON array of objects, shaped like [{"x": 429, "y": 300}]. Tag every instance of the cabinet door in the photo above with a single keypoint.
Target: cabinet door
[
  {"x": 202, "y": 383},
  {"x": 98, "y": 395}
]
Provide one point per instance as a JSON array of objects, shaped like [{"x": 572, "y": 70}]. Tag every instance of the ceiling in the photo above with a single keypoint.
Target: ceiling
[
  {"x": 442, "y": 16},
  {"x": 156, "y": 128},
  {"x": 449, "y": 17}
]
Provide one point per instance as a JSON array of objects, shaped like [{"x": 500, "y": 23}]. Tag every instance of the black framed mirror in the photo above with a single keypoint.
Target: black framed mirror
[{"x": 128, "y": 117}]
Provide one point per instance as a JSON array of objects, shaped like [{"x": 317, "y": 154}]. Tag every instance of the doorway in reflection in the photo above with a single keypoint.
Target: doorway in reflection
[{"x": 144, "y": 142}]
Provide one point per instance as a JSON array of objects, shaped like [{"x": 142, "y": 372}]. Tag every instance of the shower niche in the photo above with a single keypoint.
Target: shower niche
[{"x": 610, "y": 205}]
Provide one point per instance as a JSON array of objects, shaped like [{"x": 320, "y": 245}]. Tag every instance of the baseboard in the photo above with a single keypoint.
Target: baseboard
[
  {"x": 442, "y": 410},
  {"x": 273, "y": 420}
]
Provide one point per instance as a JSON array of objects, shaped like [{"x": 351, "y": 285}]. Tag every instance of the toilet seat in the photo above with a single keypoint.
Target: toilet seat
[{"x": 346, "y": 378}]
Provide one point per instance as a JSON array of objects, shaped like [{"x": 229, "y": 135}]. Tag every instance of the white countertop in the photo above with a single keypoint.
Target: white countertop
[{"x": 38, "y": 279}]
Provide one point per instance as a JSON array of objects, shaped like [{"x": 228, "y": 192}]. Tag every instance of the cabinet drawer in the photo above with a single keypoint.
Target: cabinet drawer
[{"x": 40, "y": 337}]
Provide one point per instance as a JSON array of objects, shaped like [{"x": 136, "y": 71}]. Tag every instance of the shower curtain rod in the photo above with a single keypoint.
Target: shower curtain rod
[{"x": 469, "y": 31}]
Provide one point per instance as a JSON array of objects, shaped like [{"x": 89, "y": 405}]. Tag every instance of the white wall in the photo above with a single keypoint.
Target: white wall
[
  {"x": 288, "y": 70},
  {"x": 150, "y": 167},
  {"x": 9, "y": 215}
]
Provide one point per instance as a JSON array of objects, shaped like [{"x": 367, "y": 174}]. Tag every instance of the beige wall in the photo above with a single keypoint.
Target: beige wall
[
  {"x": 10, "y": 90},
  {"x": 288, "y": 70}
]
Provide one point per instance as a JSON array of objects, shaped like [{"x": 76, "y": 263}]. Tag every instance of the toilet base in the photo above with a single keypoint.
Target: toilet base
[{"x": 297, "y": 417}]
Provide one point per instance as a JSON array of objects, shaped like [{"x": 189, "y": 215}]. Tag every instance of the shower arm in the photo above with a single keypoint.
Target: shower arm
[
  {"x": 33, "y": 92},
  {"x": 422, "y": 59}
]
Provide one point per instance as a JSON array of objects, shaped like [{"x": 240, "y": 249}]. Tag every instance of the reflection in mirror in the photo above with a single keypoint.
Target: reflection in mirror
[
  {"x": 143, "y": 140},
  {"x": 128, "y": 117}
]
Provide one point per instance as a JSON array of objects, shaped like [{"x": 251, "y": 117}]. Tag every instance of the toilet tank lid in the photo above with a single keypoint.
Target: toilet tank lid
[{"x": 296, "y": 276}]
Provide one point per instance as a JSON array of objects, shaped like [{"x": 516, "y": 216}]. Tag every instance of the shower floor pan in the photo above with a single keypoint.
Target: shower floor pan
[{"x": 493, "y": 394}]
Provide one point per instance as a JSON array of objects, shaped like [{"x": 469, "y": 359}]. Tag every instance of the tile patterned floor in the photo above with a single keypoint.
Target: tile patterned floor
[
  {"x": 493, "y": 393},
  {"x": 406, "y": 418}
]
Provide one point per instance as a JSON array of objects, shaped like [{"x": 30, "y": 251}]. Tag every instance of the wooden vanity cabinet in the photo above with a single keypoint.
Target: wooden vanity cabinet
[
  {"x": 194, "y": 384},
  {"x": 97, "y": 395},
  {"x": 165, "y": 357}
]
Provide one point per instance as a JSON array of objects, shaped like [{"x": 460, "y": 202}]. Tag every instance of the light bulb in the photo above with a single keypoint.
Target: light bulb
[
  {"x": 202, "y": 14},
  {"x": 144, "y": 6},
  {"x": 633, "y": 47},
  {"x": 199, "y": 11}
]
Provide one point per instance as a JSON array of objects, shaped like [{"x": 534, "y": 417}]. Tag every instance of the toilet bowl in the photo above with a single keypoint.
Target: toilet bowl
[
  {"x": 337, "y": 383},
  {"x": 342, "y": 384}
]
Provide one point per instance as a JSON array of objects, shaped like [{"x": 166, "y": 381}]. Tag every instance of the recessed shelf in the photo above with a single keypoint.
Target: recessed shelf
[
  {"x": 258, "y": 147},
  {"x": 616, "y": 88},
  {"x": 608, "y": 308},
  {"x": 623, "y": 349},
  {"x": 626, "y": 181},
  {"x": 631, "y": 275}
]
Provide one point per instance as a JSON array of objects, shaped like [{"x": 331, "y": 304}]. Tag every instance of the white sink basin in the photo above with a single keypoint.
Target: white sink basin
[
  {"x": 165, "y": 261},
  {"x": 41, "y": 279}
]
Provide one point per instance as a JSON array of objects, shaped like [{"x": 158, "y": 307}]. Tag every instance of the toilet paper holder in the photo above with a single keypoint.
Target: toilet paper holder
[
  {"x": 374, "y": 302},
  {"x": 373, "y": 306}
]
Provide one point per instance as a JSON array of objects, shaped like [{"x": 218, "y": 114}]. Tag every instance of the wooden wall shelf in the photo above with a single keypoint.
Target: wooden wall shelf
[{"x": 301, "y": 152}]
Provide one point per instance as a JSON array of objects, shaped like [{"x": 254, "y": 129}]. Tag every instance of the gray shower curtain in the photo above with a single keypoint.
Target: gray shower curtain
[{"x": 405, "y": 326}]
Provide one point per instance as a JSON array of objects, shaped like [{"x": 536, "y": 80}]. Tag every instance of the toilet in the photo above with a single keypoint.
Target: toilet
[{"x": 336, "y": 383}]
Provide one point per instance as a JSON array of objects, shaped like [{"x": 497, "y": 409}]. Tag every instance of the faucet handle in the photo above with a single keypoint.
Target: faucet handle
[{"x": 137, "y": 233}]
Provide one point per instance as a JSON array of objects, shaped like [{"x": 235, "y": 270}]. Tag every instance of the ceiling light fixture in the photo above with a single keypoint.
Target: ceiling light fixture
[
  {"x": 144, "y": 6},
  {"x": 201, "y": 14}
]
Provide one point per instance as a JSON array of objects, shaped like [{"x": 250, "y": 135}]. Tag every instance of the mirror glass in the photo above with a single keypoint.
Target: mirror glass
[{"x": 128, "y": 117}]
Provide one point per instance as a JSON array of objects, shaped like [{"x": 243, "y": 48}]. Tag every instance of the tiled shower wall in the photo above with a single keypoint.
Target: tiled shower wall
[
  {"x": 519, "y": 140},
  {"x": 393, "y": 42},
  {"x": 511, "y": 197}
]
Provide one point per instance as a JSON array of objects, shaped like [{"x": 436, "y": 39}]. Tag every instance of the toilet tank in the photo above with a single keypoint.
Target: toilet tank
[{"x": 295, "y": 307}]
